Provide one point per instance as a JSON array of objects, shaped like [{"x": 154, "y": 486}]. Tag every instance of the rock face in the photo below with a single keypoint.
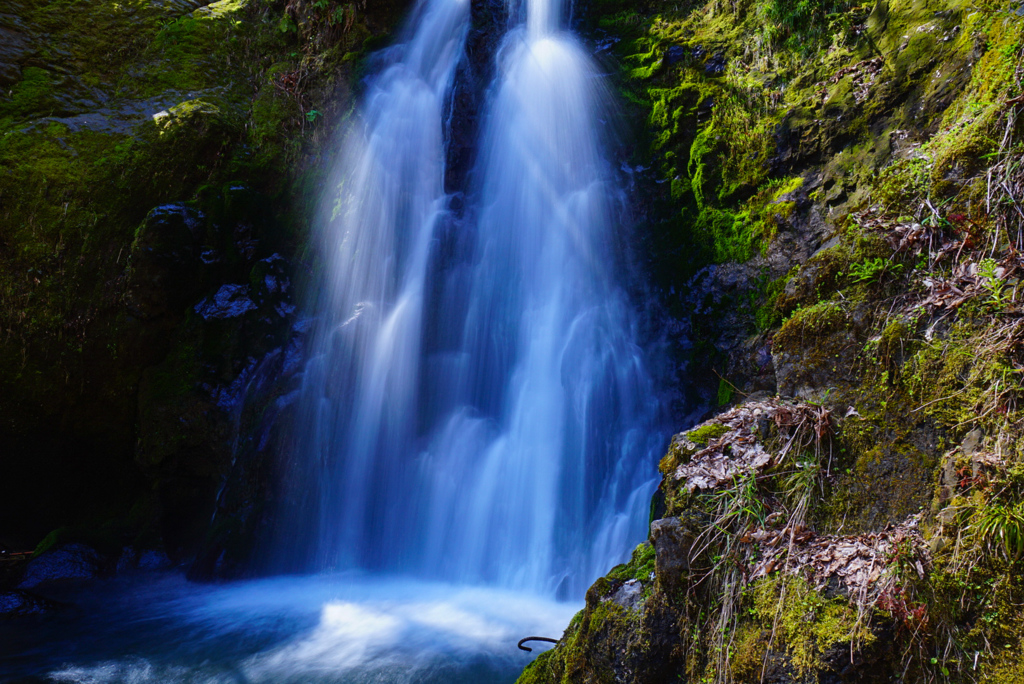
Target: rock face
[
  {"x": 155, "y": 156},
  {"x": 834, "y": 178},
  {"x": 672, "y": 541},
  {"x": 66, "y": 563},
  {"x": 166, "y": 269}
]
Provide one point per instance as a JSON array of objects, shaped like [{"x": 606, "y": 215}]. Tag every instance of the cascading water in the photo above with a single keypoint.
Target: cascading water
[
  {"x": 358, "y": 414},
  {"x": 478, "y": 414},
  {"x": 474, "y": 409}
]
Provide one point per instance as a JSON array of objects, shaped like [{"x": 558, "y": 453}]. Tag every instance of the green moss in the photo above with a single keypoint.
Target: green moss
[
  {"x": 804, "y": 26},
  {"x": 747, "y": 655},
  {"x": 964, "y": 153},
  {"x": 725, "y": 392},
  {"x": 32, "y": 95},
  {"x": 955, "y": 380},
  {"x": 723, "y": 235},
  {"x": 806, "y": 325},
  {"x": 706, "y": 433},
  {"x": 192, "y": 53},
  {"x": 273, "y": 115},
  {"x": 1008, "y": 668},
  {"x": 573, "y": 659},
  {"x": 53, "y": 539},
  {"x": 640, "y": 566},
  {"x": 761, "y": 216},
  {"x": 540, "y": 670},
  {"x": 772, "y": 305},
  {"x": 675, "y": 455},
  {"x": 904, "y": 180},
  {"x": 806, "y": 623},
  {"x": 884, "y": 465},
  {"x": 894, "y": 341}
]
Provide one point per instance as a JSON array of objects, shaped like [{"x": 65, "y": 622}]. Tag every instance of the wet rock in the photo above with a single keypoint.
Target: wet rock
[
  {"x": 949, "y": 479},
  {"x": 68, "y": 562},
  {"x": 14, "y": 47},
  {"x": 132, "y": 560},
  {"x": 271, "y": 283},
  {"x": 230, "y": 301},
  {"x": 165, "y": 260},
  {"x": 628, "y": 595},
  {"x": 675, "y": 54},
  {"x": 972, "y": 441},
  {"x": 715, "y": 66},
  {"x": 815, "y": 348},
  {"x": 15, "y": 604},
  {"x": 672, "y": 540},
  {"x": 153, "y": 560}
]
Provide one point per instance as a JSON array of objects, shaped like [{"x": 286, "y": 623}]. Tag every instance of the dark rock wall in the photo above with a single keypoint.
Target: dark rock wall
[{"x": 159, "y": 162}]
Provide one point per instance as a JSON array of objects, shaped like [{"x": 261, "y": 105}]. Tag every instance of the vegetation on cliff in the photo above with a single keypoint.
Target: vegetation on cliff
[{"x": 854, "y": 176}]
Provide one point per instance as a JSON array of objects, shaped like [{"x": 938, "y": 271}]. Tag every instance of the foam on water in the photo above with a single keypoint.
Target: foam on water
[{"x": 345, "y": 628}]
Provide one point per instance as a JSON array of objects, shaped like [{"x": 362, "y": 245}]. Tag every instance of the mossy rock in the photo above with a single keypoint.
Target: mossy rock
[{"x": 815, "y": 347}]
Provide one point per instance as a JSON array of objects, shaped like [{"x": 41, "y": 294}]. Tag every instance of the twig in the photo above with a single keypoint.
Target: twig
[
  {"x": 935, "y": 401},
  {"x": 734, "y": 387}
]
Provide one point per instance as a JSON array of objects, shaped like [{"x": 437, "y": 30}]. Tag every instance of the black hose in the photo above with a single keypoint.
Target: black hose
[{"x": 527, "y": 648}]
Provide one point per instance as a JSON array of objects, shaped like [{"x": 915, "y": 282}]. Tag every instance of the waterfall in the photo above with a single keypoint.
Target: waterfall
[{"x": 475, "y": 407}]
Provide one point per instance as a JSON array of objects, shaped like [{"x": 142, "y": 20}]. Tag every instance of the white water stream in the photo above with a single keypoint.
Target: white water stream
[
  {"x": 477, "y": 434},
  {"x": 479, "y": 414}
]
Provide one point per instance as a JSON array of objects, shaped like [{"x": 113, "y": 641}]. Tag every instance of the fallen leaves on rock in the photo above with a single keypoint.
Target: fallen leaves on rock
[
  {"x": 740, "y": 450},
  {"x": 864, "y": 566}
]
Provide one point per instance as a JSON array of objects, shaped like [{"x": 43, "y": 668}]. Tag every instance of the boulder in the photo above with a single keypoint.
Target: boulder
[
  {"x": 67, "y": 562},
  {"x": 15, "y": 604},
  {"x": 165, "y": 261},
  {"x": 672, "y": 539}
]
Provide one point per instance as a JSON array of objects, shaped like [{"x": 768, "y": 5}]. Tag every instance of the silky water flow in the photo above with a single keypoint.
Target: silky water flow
[
  {"x": 476, "y": 432},
  {"x": 481, "y": 415}
]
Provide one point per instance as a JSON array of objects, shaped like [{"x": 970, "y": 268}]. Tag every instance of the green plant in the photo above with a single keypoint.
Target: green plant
[
  {"x": 798, "y": 486},
  {"x": 286, "y": 25},
  {"x": 739, "y": 506},
  {"x": 343, "y": 16},
  {"x": 943, "y": 669},
  {"x": 871, "y": 270},
  {"x": 724, "y": 392},
  {"x": 705, "y": 433},
  {"x": 312, "y": 115},
  {"x": 1000, "y": 527},
  {"x": 997, "y": 293}
]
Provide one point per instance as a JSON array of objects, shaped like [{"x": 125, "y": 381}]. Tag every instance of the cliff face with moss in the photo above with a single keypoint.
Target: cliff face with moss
[
  {"x": 832, "y": 197},
  {"x": 158, "y": 166}
]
